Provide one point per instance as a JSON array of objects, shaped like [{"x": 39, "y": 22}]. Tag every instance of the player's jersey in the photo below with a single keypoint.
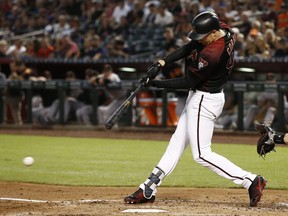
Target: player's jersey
[{"x": 207, "y": 67}]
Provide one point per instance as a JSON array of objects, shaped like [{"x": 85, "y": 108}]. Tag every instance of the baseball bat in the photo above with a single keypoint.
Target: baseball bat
[{"x": 114, "y": 118}]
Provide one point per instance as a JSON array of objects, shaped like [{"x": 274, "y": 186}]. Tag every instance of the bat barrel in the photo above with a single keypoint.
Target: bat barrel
[{"x": 114, "y": 118}]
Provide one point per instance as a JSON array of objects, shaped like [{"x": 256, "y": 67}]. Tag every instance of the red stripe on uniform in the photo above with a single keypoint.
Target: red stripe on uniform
[{"x": 198, "y": 144}]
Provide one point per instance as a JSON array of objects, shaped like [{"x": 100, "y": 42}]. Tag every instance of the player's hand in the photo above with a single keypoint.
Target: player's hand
[{"x": 148, "y": 82}]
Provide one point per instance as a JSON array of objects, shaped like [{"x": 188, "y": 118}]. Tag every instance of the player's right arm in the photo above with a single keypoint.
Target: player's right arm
[{"x": 178, "y": 83}]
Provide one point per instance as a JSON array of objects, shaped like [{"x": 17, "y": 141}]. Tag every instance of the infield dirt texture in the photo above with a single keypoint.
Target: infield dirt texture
[{"x": 36, "y": 199}]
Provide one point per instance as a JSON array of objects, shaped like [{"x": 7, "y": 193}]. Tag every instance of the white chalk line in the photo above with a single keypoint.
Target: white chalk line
[
  {"x": 48, "y": 201},
  {"x": 22, "y": 200},
  {"x": 282, "y": 204},
  {"x": 143, "y": 211}
]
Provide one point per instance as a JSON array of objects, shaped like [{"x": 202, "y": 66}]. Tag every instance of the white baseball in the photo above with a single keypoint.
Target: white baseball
[{"x": 28, "y": 161}]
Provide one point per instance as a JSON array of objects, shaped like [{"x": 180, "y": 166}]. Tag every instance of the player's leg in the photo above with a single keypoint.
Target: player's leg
[
  {"x": 178, "y": 143},
  {"x": 86, "y": 115},
  {"x": 169, "y": 160},
  {"x": 201, "y": 126}
]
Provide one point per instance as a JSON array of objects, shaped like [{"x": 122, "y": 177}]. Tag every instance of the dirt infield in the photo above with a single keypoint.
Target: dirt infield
[
  {"x": 63, "y": 200},
  {"x": 36, "y": 199}
]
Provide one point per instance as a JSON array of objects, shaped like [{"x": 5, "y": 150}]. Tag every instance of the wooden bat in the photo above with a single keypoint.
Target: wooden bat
[{"x": 114, "y": 118}]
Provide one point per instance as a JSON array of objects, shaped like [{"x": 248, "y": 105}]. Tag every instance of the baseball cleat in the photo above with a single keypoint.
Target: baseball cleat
[
  {"x": 138, "y": 197},
  {"x": 255, "y": 190}
]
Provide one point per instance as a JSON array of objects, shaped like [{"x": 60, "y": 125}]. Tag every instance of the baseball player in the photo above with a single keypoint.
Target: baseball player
[{"x": 209, "y": 60}]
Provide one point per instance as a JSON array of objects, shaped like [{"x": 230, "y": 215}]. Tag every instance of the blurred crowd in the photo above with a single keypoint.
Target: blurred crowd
[
  {"x": 98, "y": 29},
  {"x": 95, "y": 29}
]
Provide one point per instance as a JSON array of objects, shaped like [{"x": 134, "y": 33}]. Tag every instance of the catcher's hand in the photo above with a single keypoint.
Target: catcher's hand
[{"x": 265, "y": 143}]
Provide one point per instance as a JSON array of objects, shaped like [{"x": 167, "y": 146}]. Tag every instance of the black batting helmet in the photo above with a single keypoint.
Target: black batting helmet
[{"x": 203, "y": 24}]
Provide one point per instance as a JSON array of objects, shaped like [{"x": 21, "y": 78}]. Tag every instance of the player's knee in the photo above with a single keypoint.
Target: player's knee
[
  {"x": 78, "y": 114},
  {"x": 198, "y": 159}
]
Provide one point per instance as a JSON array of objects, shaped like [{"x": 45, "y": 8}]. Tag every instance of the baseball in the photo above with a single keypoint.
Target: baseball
[{"x": 28, "y": 161}]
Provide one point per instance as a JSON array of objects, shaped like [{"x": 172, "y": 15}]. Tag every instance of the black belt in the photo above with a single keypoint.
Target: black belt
[
  {"x": 212, "y": 92},
  {"x": 217, "y": 91}
]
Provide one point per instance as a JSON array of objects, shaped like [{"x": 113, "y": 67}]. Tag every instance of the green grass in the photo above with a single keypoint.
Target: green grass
[{"x": 112, "y": 162}]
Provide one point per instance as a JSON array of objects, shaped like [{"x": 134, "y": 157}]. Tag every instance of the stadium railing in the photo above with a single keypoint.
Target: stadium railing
[{"x": 239, "y": 87}]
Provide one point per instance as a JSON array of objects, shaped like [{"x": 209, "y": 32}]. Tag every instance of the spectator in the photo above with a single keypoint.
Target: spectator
[
  {"x": 192, "y": 9},
  {"x": 32, "y": 47},
  {"x": 14, "y": 95},
  {"x": 77, "y": 33},
  {"x": 206, "y": 5},
  {"x": 135, "y": 16},
  {"x": 262, "y": 48},
  {"x": 244, "y": 24},
  {"x": 240, "y": 43},
  {"x": 271, "y": 39},
  {"x": 149, "y": 17},
  {"x": 122, "y": 9},
  {"x": 250, "y": 48},
  {"x": 85, "y": 113},
  {"x": 282, "y": 43},
  {"x": 57, "y": 30},
  {"x": 255, "y": 30},
  {"x": 175, "y": 70},
  {"x": 5, "y": 66},
  {"x": 117, "y": 48},
  {"x": 163, "y": 17},
  {"x": 46, "y": 48},
  {"x": 51, "y": 114},
  {"x": 123, "y": 27},
  {"x": 183, "y": 26},
  {"x": 109, "y": 79},
  {"x": 170, "y": 40},
  {"x": 16, "y": 50},
  {"x": 96, "y": 10},
  {"x": 18, "y": 27},
  {"x": 68, "y": 49},
  {"x": 103, "y": 28},
  {"x": 229, "y": 114},
  {"x": 47, "y": 75},
  {"x": 175, "y": 7},
  {"x": 265, "y": 107},
  {"x": 92, "y": 48}
]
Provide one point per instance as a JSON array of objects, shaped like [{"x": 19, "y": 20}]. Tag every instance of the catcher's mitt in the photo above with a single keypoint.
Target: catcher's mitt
[
  {"x": 263, "y": 128},
  {"x": 265, "y": 145}
]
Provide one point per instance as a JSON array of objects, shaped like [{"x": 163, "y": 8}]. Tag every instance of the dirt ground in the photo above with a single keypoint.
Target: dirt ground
[{"x": 36, "y": 199}]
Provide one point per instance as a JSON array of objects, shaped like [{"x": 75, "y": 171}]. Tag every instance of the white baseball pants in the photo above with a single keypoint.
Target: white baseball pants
[{"x": 195, "y": 127}]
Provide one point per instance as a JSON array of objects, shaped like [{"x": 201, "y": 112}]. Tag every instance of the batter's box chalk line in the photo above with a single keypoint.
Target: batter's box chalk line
[
  {"x": 284, "y": 204},
  {"x": 47, "y": 201},
  {"x": 144, "y": 211}
]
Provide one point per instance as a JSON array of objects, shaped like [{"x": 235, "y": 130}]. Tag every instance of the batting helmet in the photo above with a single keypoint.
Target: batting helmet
[{"x": 203, "y": 24}]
